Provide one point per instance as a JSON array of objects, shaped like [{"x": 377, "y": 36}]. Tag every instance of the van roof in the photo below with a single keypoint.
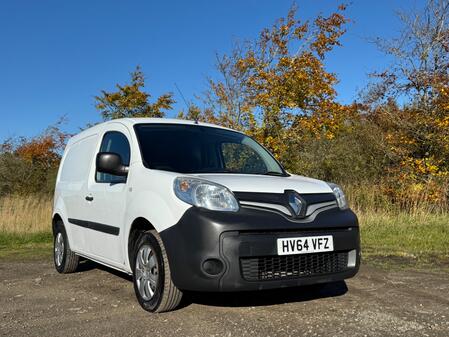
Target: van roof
[
  {"x": 133, "y": 121},
  {"x": 130, "y": 122}
]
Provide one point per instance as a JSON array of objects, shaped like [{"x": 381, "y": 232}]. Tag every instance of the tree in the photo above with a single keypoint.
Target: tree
[
  {"x": 29, "y": 165},
  {"x": 420, "y": 58},
  {"x": 131, "y": 101},
  {"x": 277, "y": 89},
  {"x": 417, "y": 130}
]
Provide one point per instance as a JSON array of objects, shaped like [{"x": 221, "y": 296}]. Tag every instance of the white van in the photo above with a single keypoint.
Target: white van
[{"x": 184, "y": 205}]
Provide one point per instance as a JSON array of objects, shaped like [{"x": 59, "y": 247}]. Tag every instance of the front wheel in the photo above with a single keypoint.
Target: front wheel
[
  {"x": 65, "y": 260},
  {"x": 153, "y": 286}
]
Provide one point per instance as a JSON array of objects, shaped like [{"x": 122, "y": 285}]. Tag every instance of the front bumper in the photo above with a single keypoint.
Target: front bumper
[{"x": 245, "y": 243}]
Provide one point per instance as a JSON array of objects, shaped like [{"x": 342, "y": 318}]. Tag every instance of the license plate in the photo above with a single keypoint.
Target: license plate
[{"x": 305, "y": 245}]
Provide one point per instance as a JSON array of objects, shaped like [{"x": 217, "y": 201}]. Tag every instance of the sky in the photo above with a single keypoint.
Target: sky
[{"x": 55, "y": 56}]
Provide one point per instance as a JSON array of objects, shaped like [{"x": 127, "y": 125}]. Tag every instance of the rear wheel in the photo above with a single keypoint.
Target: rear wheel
[
  {"x": 65, "y": 260},
  {"x": 153, "y": 286}
]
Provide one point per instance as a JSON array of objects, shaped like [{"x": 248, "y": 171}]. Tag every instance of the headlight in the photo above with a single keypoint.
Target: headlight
[
  {"x": 339, "y": 195},
  {"x": 203, "y": 193}
]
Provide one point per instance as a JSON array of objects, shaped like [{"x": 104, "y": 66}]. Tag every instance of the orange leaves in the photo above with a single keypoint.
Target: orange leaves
[
  {"x": 442, "y": 97},
  {"x": 443, "y": 122},
  {"x": 330, "y": 30},
  {"x": 300, "y": 30},
  {"x": 417, "y": 143},
  {"x": 29, "y": 165},
  {"x": 279, "y": 76},
  {"x": 131, "y": 101},
  {"x": 418, "y": 129},
  {"x": 330, "y": 120},
  {"x": 419, "y": 167},
  {"x": 39, "y": 149},
  {"x": 420, "y": 180},
  {"x": 44, "y": 150},
  {"x": 163, "y": 102},
  {"x": 277, "y": 88}
]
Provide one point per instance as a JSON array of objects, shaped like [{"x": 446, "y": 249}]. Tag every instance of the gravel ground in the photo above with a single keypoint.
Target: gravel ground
[{"x": 36, "y": 301}]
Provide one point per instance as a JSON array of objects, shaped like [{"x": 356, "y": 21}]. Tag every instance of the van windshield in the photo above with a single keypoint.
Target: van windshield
[{"x": 201, "y": 149}]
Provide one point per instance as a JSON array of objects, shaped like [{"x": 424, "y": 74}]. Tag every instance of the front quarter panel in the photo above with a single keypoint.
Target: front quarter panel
[{"x": 151, "y": 196}]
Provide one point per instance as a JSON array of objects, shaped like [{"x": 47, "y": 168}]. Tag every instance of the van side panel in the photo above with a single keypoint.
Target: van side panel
[{"x": 71, "y": 186}]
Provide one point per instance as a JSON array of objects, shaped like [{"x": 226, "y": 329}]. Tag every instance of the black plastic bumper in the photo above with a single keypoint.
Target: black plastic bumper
[{"x": 201, "y": 234}]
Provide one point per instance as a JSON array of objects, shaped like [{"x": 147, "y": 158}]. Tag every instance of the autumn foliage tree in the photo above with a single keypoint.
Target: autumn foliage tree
[
  {"x": 272, "y": 83},
  {"x": 277, "y": 88},
  {"x": 29, "y": 165},
  {"x": 131, "y": 101},
  {"x": 416, "y": 131}
]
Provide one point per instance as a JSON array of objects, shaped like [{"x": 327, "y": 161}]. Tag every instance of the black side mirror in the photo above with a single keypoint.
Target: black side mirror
[{"x": 110, "y": 162}]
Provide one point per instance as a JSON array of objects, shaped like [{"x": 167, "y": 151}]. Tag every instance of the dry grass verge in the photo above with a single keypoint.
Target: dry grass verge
[{"x": 25, "y": 214}]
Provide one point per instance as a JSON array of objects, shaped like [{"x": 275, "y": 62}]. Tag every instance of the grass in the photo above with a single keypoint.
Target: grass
[
  {"x": 413, "y": 239},
  {"x": 14, "y": 246},
  {"x": 25, "y": 229},
  {"x": 418, "y": 237},
  {"x": 416, "y": 232},
  {"x": 25, "y": 214}
]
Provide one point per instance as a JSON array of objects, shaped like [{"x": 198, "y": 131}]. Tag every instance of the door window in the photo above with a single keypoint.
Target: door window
[{"x": 115, "y": 142}]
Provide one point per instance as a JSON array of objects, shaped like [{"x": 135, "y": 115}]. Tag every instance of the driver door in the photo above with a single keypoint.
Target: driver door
[{"x": 108, "y": 204}]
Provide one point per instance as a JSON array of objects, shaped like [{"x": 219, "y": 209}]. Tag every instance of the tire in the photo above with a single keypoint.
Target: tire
[
  {"x": 153, "y": 285},
  {"x": 65, "y": 260}
]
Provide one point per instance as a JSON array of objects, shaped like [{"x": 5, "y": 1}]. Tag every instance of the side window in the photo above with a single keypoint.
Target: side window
[
  {"x": 116, "y": 142},
  {"x": 240, "y": 158}
]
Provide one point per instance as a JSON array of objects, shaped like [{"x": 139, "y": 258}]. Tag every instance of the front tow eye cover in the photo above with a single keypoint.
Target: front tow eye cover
[{"x": 213, "y": 267}]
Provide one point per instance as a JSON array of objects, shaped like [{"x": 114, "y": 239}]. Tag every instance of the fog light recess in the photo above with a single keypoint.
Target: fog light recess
[{"x": 213, "y": 266}]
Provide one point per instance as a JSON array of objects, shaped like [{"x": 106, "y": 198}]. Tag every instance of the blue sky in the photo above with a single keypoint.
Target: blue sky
[{"x": 55, "y": 56}]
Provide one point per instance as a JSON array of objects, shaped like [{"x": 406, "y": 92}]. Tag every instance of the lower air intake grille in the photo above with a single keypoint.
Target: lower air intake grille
[{"x": 293, "y": 266}]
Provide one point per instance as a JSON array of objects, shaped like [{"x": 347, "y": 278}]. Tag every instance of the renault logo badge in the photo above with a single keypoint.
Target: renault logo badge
[{"x": 296, "y": 204}]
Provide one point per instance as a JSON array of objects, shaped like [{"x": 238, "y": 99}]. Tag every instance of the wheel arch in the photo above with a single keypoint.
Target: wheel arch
[
  {"x": 138, "y": 225},
  {"x": 56, "y": 217}
]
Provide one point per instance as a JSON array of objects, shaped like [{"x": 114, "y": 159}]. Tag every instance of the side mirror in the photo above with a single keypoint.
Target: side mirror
[{"x": 109, "y": 162}]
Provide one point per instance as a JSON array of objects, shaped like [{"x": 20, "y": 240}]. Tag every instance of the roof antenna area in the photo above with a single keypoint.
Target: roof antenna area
[{"x": 195, "y": 120}]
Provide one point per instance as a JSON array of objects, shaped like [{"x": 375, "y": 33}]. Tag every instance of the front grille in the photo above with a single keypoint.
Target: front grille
[{"x": 293, "y": 266}]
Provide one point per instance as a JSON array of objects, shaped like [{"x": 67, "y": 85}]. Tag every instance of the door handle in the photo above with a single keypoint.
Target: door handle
[{"x": 89, "y": 198}]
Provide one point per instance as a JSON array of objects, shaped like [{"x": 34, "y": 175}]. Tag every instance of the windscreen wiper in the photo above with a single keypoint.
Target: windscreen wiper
[{"x": 274, "y": 173}]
